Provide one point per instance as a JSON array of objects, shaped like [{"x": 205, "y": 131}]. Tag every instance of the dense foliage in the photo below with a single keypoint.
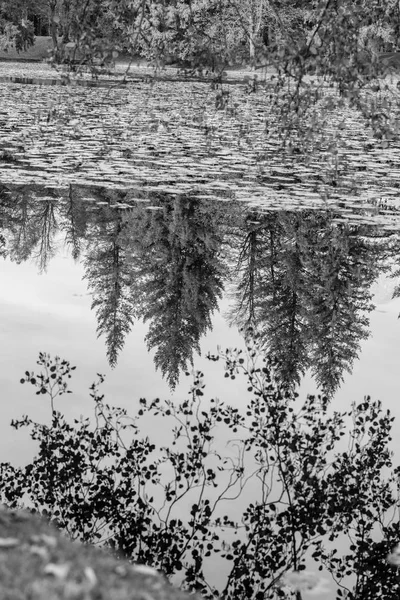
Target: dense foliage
[
  {"x": 344, "y": 44},
  {"x": 328, "y": 36},
  {"x": 316, "y": 477}
]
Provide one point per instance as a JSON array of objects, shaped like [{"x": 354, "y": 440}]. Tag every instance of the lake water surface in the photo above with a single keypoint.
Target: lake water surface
[{"x": 141, "y": 228}]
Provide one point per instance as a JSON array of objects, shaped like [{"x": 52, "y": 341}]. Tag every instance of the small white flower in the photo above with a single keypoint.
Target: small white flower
[
  {"x": 145, "y": 570},
  {"x": 9, "y": 542},
  {"x": 305, "y": 581},
  {"x": 322, "y": 587},
  {"x": 394, "y": 557},
  {"x": 47, "y": 540},
  {"x": 90, "y": 576},
  {"x": 39, "y": 551},
  {"x": 58, "y": 571}
]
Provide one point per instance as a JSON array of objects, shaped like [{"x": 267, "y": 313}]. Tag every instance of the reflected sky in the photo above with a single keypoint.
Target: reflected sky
[
  {"x": 46, "y": 298},
  {"x": 47, "y": 307},
  {"x": 51, "y": 312}
]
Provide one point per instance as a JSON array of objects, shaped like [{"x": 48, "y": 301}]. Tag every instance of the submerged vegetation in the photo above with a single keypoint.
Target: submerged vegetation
[{"x": 317, "y": 477}]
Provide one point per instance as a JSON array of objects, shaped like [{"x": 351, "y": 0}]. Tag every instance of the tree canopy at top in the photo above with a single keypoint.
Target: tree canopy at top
[
  {"x": 341, "y": 41},
  {"x": 325, "y": 36}
]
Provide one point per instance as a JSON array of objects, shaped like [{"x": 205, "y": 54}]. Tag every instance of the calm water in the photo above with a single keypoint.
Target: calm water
[
  {"x": 133, "y": 251},
  {"x": 168, "y": 265}
]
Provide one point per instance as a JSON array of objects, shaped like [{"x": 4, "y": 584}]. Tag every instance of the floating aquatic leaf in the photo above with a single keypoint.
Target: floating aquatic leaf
[
  {"x": 47, "y": 540},
  {"x": 121, "y": 570},
  {"x": 90, "y": 576},
  {"x": 394, "y": 557},
  {"x": 303, "y": 581},
  {"x": 39, "y": 551},
  {"x": 145, "y": 570},
  {"x": 8, "y": 542},
  {"x": 59, "y": 571}
]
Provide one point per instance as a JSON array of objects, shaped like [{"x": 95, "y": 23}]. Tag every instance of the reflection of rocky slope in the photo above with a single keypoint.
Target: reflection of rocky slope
[{"x": 38, "y": 562}]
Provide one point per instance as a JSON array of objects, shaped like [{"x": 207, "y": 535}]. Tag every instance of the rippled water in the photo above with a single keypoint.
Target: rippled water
[{"x": 172, "y": 138}]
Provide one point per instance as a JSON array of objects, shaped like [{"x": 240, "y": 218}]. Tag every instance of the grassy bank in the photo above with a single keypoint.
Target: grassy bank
[{"x": 37, "y": 52}]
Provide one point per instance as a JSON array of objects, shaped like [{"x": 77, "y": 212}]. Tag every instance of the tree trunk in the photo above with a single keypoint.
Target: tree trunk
[
  {"x": 53, "y": 27},
  {"x": 252, "y": 49}
]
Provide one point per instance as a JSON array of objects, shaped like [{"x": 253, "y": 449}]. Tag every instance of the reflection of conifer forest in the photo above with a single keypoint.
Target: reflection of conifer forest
[
  {"x": 300, "y": 278},
  {"x": 304, "y": 283}
]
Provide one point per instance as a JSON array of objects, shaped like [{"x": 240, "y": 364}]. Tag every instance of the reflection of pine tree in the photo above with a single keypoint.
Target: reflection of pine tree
[
  {"x": 304, "y": 283},
  {"x": 343, "y": 266},
  {"x": 25, "y": 233},
  {"x": 282, "y": 307},
  {"x": 48, "y": 229},
  {"x": 3, "y": 219},
  {"x": 109, "y": 277},
  {"x": 33, "y": 227},
  {"x": 268, "y": 290},
  {"x": 21, "y": 237},
  {"x": 395, "y": 267},
  {"x": 76, "y": 222},
  {"x": 255, "y": 249},
  {"x": 178, "y": 277},
  {"x": 3, "y": 251}
]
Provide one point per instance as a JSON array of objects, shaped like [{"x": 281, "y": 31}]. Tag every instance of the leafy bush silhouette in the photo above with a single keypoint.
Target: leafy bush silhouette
[{"x": 175, "y": 507}]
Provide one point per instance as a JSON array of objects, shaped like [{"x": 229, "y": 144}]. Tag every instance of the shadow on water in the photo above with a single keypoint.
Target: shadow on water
[{"x": 301, "y": 278}]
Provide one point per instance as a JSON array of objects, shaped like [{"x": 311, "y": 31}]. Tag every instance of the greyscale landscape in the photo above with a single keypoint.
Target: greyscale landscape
[{"x": 199, "y": 215}]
